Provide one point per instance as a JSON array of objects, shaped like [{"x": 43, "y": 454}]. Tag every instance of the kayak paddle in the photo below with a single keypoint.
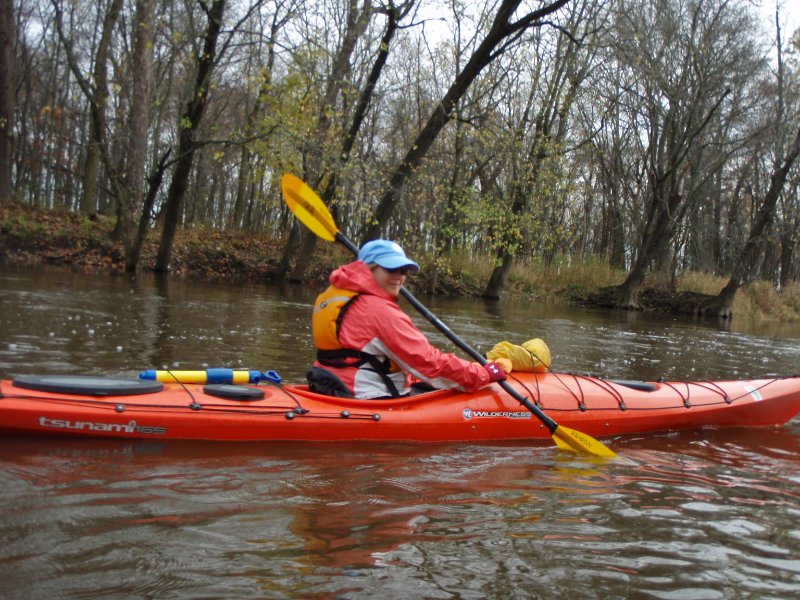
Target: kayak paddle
[{"x": 308, "y": 207}]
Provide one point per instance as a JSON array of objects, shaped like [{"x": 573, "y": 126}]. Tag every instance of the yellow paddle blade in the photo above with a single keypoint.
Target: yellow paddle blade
[
  {"x": 308, "y": 207},
  {"x": 569, "y": 439}
]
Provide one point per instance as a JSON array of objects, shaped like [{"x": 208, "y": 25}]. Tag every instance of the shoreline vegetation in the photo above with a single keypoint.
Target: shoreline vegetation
[{"x": 31, "y": 236}]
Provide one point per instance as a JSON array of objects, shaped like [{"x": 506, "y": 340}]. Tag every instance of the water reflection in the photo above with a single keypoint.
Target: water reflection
[{"x": 249, "y": 520}]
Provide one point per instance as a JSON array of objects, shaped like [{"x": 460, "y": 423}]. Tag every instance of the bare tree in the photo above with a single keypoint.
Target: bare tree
[
  {"x": 95, "y": 89},
  {"x": 746, "y": 267},
  {"x": 332, "y": 171},
  {"x": 7, "y": 98},
  {"x": 252, "y": 127},
  {"x": 501, "y": 35},
  {"x": 319, "y": 151},
  {"x": 684, "y": 57},
  {"x": 722, "y": 304},
  {"x": 131, "y": 201},
  {"x": 542, "y": 134},
  {"x": 98, "y": 100},
  {"x": 189, "y": 122}
]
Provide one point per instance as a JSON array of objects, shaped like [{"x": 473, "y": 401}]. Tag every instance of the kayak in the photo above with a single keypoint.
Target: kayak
[{"x": 269, "y": 410}]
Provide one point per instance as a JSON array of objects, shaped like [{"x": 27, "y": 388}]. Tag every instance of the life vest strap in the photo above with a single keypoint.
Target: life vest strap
[{"x": 347, "y": 357}]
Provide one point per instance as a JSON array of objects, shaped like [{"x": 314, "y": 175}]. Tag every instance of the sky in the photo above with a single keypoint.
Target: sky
[{"x": 790, "y": 15}]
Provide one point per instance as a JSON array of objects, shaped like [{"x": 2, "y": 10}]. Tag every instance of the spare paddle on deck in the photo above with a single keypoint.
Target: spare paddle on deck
[{"x": 308, "y": 207}]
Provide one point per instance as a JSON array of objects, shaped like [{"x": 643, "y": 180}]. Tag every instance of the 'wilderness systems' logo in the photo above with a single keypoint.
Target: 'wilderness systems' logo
[
  {"x": 130, "y": 427},
  {"x": 495, "y": 414}
]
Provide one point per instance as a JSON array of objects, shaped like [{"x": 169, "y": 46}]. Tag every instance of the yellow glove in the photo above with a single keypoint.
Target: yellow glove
[{"x": 532, "y": 356}]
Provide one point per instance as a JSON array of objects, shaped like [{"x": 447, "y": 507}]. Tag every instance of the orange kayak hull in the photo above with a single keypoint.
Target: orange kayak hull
[{"x": 594, "y": 406}]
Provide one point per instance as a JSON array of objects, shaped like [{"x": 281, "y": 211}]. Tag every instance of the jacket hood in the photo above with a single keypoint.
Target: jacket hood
[{"x": 357, "y": 277}]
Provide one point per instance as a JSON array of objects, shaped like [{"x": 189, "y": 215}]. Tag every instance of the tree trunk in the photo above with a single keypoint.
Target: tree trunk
[
  {"x": 130, "y": 204},
  {"x": 244, "y": 185},
  {"x": 654, "y": 242},
  {"x": 615, "y": 235},
  {"x": 7, "y": 99},
  {"x": 289, "y": 250},
  {"x": 186, "y": 142},
  {"x": 134, "y": 252},
  {"x": 236, "y": 218},
  {"x": 788, "y": 244},
  {"x": 98, "y": 102},
  {"x": 499, "y": 276}
]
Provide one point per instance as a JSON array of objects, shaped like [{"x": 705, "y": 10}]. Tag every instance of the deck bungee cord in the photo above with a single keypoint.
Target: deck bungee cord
[
  {"x": 607, "y": 384},
  {"x": 579, "y": 395}
]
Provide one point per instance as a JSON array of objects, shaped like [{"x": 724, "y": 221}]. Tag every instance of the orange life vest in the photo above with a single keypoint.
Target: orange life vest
[
  {"x": 326, "y": 317},
  {"x": 326, "y": 320}
]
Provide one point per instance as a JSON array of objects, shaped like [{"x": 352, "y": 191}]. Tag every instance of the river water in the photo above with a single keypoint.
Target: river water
[{"x": 707, "y": 514}]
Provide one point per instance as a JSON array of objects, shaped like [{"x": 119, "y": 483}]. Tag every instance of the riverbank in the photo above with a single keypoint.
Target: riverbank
[{"x": 32, "y": 236}]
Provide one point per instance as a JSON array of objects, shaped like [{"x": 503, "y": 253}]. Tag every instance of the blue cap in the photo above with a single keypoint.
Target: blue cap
[{"x": 386, "y": 254}]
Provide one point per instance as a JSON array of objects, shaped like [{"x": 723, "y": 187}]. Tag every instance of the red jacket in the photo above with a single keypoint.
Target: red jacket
[{"x": 374, "y": 323}]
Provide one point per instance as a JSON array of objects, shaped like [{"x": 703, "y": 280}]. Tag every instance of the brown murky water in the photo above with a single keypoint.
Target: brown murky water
[{"x": 708, "y": 514}]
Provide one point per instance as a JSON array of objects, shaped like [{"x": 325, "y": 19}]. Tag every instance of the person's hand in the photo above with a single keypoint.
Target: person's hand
[{"x": 496, "y": 372}]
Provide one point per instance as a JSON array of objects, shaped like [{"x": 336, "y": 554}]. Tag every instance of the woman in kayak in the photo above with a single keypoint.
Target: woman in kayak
[{"x": 367, "y": 347}]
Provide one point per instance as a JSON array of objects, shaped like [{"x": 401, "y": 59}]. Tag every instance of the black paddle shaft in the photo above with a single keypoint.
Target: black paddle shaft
[{"x": 477, "y": 356}]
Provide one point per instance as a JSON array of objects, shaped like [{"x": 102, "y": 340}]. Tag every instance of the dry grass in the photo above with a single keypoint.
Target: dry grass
[
  {"x": 560, "y": 280},
  {"x": 758, "y": 300},
  {"x": 702, "y": 283},
  {"x": 565, "y": 279}
]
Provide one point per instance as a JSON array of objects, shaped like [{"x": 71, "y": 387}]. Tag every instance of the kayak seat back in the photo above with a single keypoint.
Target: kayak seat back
[{"x": 322, "y": 381}]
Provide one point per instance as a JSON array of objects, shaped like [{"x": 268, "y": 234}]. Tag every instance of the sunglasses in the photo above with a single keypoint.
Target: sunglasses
[{"x": 401, "y": 270}]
